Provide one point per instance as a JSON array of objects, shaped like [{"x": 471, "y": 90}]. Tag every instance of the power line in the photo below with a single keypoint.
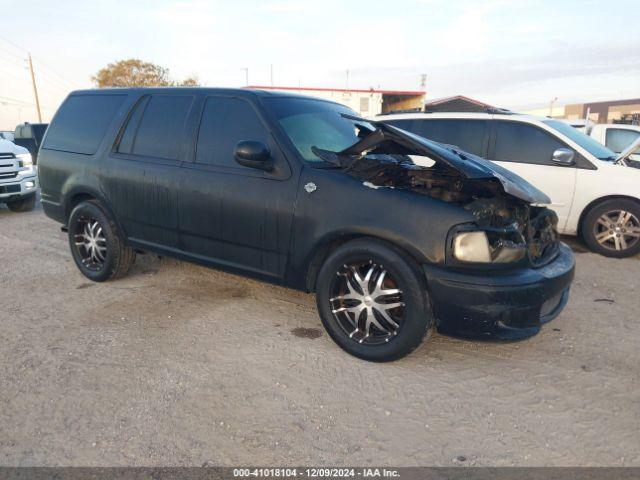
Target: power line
[
  {"x": 13, "y": 75},
  {"x": 23, "y": 103},
  {"x": 43, "y": 76},
  {"x": 12, "y": 62},
  {"x": 66, "y": 80},
  {"x": 13, "y": 44},
  {"x": 53, "y": 81},
  {"x": 11, "y": 53},
  {"x": 41, "y": 63},
  {"x": 9, "y": 99}
]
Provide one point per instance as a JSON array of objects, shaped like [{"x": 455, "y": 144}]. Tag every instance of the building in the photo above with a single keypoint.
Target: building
[
  {"x": 604, "y": 112},
  {"x": 366, "y": 102},
  {"x": 457, "y": 103},
  {"x": 613, "y": 111}
]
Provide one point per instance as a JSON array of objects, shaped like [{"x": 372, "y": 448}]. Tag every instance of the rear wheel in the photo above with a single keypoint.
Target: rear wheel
[
  {"x": 612, "y": 228},
  {"x": 96, "y": 244},
  {"x": 23, "y": 205},
  {"x": 372, "y": 300}
]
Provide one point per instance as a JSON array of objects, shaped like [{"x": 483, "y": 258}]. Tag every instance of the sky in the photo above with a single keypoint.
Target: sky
[{"x": 516, "y": 54}]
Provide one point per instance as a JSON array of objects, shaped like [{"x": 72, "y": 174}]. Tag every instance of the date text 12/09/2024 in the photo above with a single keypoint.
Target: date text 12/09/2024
[{"x": 315, "y": 472}]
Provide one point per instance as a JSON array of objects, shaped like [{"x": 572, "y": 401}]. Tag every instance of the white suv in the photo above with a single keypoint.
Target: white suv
[
  {"x": 18, "y": 178},
  {"x": 593, "y": 191}
]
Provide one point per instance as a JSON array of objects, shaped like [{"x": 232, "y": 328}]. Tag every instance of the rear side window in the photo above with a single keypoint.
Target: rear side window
[
  {"x": 81, "y": 123},
  {"x": 468, "y": 135},
  {"x": 225, "y": 122},
  {"x": 156, "y": 126},
  {"x": 523, "y": 143},
  {"x": 617, "y": 139}
]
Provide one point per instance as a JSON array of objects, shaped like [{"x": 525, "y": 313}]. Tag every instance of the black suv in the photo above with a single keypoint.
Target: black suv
[{"x": 393, "y": 232}]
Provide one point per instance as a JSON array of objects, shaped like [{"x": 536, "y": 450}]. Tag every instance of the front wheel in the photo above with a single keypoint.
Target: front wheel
[
  {"x": 612, "y": 228},
  {"x": 372, "y": 300},
  {"x": 23, "y": 205},
  {"x": 97, "y": 246}
]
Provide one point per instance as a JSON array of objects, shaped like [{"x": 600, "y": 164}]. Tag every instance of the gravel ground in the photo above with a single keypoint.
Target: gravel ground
[{"x": 181, "y": 365}]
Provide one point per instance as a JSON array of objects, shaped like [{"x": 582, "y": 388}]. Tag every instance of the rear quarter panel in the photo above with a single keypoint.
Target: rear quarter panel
[{"x": 64, "y": 174}]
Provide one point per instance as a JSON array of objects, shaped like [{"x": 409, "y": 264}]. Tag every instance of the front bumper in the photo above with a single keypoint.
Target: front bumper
[
  {"x": 500, "y": 305},
  {"x": 18, "y": 188}
]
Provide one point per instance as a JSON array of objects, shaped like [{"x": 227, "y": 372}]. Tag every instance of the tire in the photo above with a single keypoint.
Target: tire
[
  {"x": 23, "y": 205},
  {"x": 97, "y": 247},
  {"x": 345, "y": 318},
  {"x": 620, "y": 237}
]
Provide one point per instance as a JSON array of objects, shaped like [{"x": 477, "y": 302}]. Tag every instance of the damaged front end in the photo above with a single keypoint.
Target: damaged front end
[{"x": 508, "y": 227}]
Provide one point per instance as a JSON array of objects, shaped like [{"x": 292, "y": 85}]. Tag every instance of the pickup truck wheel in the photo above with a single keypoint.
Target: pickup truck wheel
[
  {"x": 23, "y": 205},
  {"x": 612, "y": 228},
  {"x": 97, "y": 247},
  {"x": 373, "y": 300}
]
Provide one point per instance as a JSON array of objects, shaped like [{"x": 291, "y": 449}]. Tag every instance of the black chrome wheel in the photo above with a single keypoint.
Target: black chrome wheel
[
  {"x": 90, "y": 242},
  {"x": 367, "y": 303},
  {"x": 97, "y": 246},
  {"x": 373, "y": 300}
]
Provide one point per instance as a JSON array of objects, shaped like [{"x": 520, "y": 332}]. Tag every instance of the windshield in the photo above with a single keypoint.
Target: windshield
[
  {"x": 314, "y": 123},
  {"x": 589, "y": 144}
]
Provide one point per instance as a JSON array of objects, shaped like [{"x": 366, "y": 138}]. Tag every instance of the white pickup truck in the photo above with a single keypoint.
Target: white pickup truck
[
  {"x": 615, "y": 136},
  {"x": 18, "y": 177}
]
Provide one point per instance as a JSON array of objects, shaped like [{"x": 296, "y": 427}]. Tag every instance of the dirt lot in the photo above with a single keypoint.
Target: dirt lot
[{"x": 181, "y": 365}]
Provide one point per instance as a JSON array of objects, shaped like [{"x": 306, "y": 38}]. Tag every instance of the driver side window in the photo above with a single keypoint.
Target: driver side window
[
  {"x": 523, "y": 143},
  {"x": 225, "y": 122}
]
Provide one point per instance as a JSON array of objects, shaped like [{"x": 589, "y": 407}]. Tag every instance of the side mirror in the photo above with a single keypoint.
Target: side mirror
[
  {"x": 563, "y": 156},
  {"x": 253, "y": 154}
]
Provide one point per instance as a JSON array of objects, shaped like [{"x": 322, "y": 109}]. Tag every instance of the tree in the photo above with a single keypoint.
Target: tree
[
  {"x": 191, "y": 81},
  {"x": 137, "y": 73}
]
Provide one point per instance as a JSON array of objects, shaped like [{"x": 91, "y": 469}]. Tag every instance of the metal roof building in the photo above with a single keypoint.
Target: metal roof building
[{"x": 365, "y": 102}]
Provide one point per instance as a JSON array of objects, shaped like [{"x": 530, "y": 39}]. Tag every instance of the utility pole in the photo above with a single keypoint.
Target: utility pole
[
  {"x": 271, "y": 74},
  {"x": 553, "y": 100},
  {"x": 423, "y": 81},
  {"x": 347, "y": 80},
  {"x": 35, "y": 89},
  {"x": 246, "y": 76}
]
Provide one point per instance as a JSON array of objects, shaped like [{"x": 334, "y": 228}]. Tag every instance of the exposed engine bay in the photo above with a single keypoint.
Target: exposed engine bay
[{"x": 500, "y": 201}]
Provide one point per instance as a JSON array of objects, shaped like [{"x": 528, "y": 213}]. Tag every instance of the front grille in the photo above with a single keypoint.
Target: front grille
[
  {"x": 5, "y": 156},
  {"x": 542, "y": 236},
  {"x": 9, "y": 189},
  {"x": 4, "y": 176}
]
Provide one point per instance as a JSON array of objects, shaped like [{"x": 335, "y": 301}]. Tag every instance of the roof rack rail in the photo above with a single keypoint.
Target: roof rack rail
[
  {"x": 503, "y": 111},
  {"x": 495, "y": 110},
  {"x": 403, "y": 110}
]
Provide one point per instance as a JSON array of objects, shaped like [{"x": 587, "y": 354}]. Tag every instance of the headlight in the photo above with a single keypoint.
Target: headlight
[
  {"x": 471, "y": 247},
  {"x": 25, "y": 160},
  {"x": 490, "y": 246}
]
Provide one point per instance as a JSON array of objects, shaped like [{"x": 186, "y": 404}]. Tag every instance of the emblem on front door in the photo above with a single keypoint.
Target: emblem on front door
[{"x": 310, "y": 187}]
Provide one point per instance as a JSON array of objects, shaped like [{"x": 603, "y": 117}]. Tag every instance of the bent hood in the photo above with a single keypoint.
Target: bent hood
[{"x": 387, "y": 139}]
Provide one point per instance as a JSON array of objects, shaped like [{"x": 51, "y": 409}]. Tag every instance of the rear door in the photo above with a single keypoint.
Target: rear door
[
  {"x": 527, "y": 150},
  {"x": 470, "y": 135},
  {"x": 229, "y": 214},
  {"x": 141, "y": 175}
]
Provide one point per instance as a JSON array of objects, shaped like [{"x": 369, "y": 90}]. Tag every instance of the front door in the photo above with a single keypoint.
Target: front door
[
  {"x": 229, "y": 214},
  {"x": 527, "y": 151}
]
